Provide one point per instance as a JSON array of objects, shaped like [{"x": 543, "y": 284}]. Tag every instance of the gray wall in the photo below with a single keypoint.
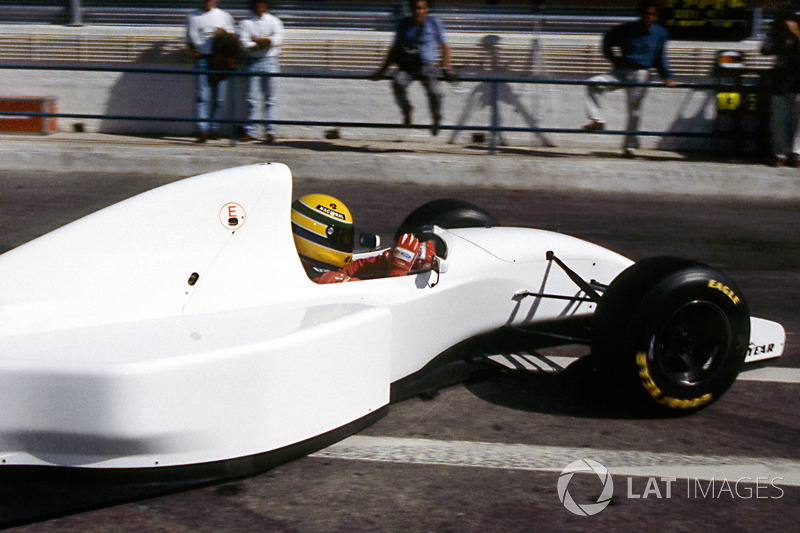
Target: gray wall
[{"x": 556, "y": 106}]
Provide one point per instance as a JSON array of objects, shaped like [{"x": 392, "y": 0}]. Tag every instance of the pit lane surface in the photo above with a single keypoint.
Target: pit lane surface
[{"x": 488, "y": 454}]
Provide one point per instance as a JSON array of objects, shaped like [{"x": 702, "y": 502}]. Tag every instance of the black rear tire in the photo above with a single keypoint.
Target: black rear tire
[
  {"x": 446, "y": 213},
  {"x": 671, "y": 333}
]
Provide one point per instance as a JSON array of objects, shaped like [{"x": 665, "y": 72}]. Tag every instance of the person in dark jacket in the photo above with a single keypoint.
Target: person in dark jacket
[
  {"x": 633, "y": 48},
  {"x": 783, "y": 41}
]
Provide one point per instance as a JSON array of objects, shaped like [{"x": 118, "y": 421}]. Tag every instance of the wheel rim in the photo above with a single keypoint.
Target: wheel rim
[{"x": 692, "y": 344}]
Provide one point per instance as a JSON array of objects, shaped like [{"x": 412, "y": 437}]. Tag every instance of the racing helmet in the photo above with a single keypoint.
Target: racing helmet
[{"x": 323, "y": 230}]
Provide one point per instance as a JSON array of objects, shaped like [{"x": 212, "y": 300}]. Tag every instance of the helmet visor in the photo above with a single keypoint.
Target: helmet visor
[{"x": 340, "y": 237}]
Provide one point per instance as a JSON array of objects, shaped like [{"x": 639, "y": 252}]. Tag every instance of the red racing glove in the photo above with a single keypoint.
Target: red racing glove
[
  {"x": 427, "y": 250},
  {"x": 403, "y": 254},
  {"x": 334, "y": 276}
]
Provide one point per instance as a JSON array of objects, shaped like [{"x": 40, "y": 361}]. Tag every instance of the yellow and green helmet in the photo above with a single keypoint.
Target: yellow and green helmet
[{"x": 323, "y": 230}]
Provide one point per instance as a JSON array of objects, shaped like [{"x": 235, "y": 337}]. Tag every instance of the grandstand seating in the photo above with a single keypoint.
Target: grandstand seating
[
  {"x": 331, "y": 37},
  {"x": 319, "y": 14}
]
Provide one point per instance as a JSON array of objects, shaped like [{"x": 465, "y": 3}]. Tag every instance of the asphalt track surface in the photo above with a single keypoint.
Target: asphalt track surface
[{"x": 488, "y": 454}]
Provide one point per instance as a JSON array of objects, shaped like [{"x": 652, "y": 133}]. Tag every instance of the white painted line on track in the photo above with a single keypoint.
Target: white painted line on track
[
  {"x": 556, "y": 458},
  {"x": 774, "y": 374}
]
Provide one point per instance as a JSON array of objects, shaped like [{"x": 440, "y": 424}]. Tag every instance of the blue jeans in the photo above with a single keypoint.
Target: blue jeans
[
  {"x": 261, "y": 91},
  {"x": 209, "y": 98}
]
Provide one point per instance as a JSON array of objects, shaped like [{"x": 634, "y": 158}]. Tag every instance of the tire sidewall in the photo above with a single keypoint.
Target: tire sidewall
[
  {"x": 657, "y": 306},
  {"x": 637, "y": 305}
]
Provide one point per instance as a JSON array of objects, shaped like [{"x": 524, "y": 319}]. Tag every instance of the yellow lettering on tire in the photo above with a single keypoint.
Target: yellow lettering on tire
[
  {"x": 724, "y": 289},
  {"x": 656, "y": 393}
]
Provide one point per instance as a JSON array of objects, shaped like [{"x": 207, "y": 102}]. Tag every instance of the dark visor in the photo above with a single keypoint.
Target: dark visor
[{"x": 340, "y": 238}]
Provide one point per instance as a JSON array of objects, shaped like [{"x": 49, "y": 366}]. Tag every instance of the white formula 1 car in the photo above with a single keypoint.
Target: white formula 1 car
[{"x": 177, "y": 334}]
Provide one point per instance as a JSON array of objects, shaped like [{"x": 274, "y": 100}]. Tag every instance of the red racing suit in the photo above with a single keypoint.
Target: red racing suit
[{"x": 379, "y": 266}]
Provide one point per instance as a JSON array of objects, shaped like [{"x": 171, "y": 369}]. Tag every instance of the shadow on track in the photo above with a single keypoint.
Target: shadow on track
[
  {"x": 577, "y": 391},
  {"x": 41, "y": 496}
]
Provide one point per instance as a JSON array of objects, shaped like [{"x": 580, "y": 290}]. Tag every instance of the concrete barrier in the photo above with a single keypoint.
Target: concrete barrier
[
  {"x": 361, "y": 100},
  {"x": 466, "y": 103}
]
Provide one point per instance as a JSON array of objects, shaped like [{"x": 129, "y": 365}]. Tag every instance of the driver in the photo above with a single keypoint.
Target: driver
[{"x": 323, "y": 233}]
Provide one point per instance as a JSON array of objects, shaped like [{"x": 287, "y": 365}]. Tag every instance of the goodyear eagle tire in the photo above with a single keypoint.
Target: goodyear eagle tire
[
  {"x": 447, "y": 213},
  {"x": 671, "y": 333}
]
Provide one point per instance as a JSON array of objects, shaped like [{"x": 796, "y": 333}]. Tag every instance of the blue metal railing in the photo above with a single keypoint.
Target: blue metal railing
[{"x": 494, "y": 128}]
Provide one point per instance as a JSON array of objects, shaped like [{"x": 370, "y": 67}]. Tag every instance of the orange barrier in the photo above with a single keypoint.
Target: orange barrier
[{"x": 27, "y": 123}]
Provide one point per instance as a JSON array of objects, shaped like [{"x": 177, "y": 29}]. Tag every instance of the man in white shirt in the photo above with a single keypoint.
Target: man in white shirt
[
  {"x": 261, "y": 36},
  {"x": 202, "y": 25}
]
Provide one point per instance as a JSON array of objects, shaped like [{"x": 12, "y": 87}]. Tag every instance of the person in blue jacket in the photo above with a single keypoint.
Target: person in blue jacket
[
  {"x": 633, "y": 48},
  {"x": 415, "y": 49}
]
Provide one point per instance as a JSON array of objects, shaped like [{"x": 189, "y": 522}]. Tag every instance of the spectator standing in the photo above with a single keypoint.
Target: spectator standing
[
  {"x": 783, "y": 41},
  {"x": 261, "y": 36},
  {"x": 414, "y": 50},
  {"x": 633, "y": 48},
  {"x": 202, "y": 26}
]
